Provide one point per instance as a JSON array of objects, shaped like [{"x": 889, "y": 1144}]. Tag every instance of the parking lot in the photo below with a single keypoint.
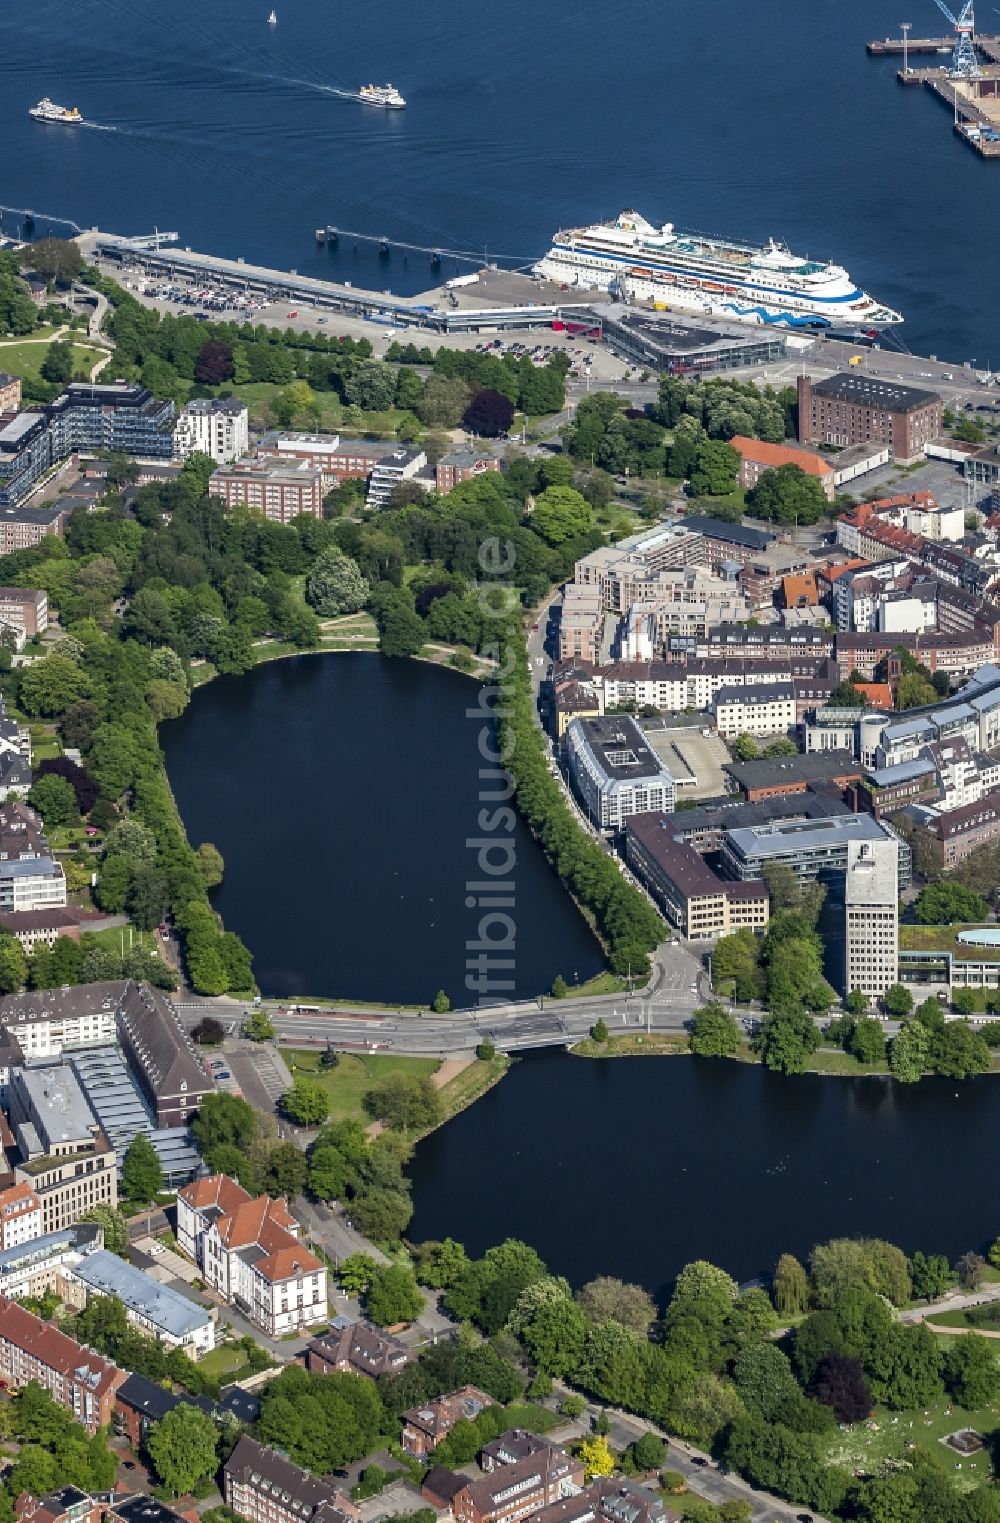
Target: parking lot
[
  {"x": 685, "y": 751},
  {"x": 261, "y": 1073}
]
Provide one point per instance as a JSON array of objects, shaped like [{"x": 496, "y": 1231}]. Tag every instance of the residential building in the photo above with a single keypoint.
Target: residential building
[
  {"x": 581, "y": 621},
  {"x": 610, "y": 1500},
  {"x": 871, "y": 910},
  {"x": 462, "y": 465},
  {"x": 21, "y": 528},
  {"x": 956, "y": 833},
  {"x": 279, "y": 492},
  {"x": 214, "y": 426},
  {"x": 755, "y": 710},
  {"x": 10, "y": 392},
  {"x": 34, "y": 928},
  {"x": 161, "y": 1054},
  {"x": 856, "y": 407},
  {"x": 510, "y": 1448},
  {"x": 424, "y": 1427},
  {"x": 264, "y": 1486},
  {"x": 401, "y": 465},
  {"x": 338, "y": 459},
  {"x": 885, "y": 790},
  {"x": 757, "y": 642},
  {"x": 155, "y": 1309},
  {"x": 20, "y": 1216},
  {"x": 63, "y": 1154},
  {"x": 142, "y": 1508},
  {"x": 695, "y": 900},
  {"x": 11, "y": 1057},
  {"x": 957, "y": 654},
  {"x": 357, "y": 1348},
  {"x": 67, "y": 1505},
  {"x": 25, "y": 608},
  {"x": 29, "y": 876},
  {"x": 725, "y": 543},
  {"x": 757, "y": 456},
  {"x": 139, "y": 1403},
  {"x": 15, "y": 783},
  {"x": 615, "y": 771},
  {"x": 44, "y": 1021},
  {"x": 76, "y": 1378},
  {"x": 37, "y": 1266},
  {"x": 517, "y": 1490},
  {"x": 249, "y": 1251},
  {"x": 770, "y": 776},
  {"x": 817, "y": 849}
]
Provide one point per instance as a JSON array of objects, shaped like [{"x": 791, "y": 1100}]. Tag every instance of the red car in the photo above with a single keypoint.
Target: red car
[{"x": 293, "y": 314}]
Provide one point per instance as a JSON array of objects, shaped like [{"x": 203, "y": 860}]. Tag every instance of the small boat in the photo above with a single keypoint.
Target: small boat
[
  {"x": 48, "y": 111},
  {"x": 272, "y": 19}
]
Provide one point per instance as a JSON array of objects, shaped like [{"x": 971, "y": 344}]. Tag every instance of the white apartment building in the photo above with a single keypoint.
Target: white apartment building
[
  {"x": 156, "y": 1310},
  {"x": 215, "y": 426},
  {"x": 871, "y": 911},
  {"x": 249, "y": 1251},
  {"x": 44, "y": 1021},
  {"x": 401, "y": 465},
  {"x": 20, "y": 1216},
  {"x": 615, "y": 771},
  {"x": 755, "y": 710}
]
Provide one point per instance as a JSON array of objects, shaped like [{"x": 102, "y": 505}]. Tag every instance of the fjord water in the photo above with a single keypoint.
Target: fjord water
[
  {"x": 341, "y": 791},
  {"x": 634, "y": 1166},
  {"x": 746, "y": 120}
]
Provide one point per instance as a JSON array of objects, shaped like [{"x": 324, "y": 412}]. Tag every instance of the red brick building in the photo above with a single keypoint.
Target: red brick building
[
  {"x": 278, "y": 491},
  {"x": 515, "y": 1491},
  {"x": 77, "y": 1379},
  {"x": 856, "y": 408},
  {"x": 424, "y": 1427},
  {"x": 357, "y": 1348},
  {"x": 461, "y": 465}
]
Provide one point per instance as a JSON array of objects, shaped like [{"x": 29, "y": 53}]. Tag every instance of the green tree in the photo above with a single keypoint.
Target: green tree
[
  {"x": 745, "y": 748},
  {"x": 945, "y": 903},
  {"x": 607, "y": 1299},
  {"x": 791, "y": 1286},
  {"x": 714, "y": 1033},
  {"x": 867, "y": 1040},
  {"x": 970, "y": 1269},
  {"x": 258, "y": 1026},
  {"x": 599, "y": 1030},
  {"x": 898, "y": 1001},
  {"x": 405, "y": 1102},
  {"x": 114, "y": 1226},
  {"x": 959, "y": 1050},
  {"x": 335, "y": 584},
  {"x": 306, "y": 1103},
  {"x": 440, "y": 1264},
  {"x": 13, "y": 966},
  {"x": 596, "y": 1457},
  {"x": 716, "y": 469},
  {"x": 142, "y": 1172},
  {"x": 786, "y": 1039},
  {"x": 393, "y": 1296},
  {"x": 786, "y": 495},
  {"x": 58, "y": 259},
  {"x": 909, "y": 1052},
  {"x": 930, "y": 1275},
  {"x": 971, "y": 1372},
  {"x": 58, "y": 362},
  {"x": 183, "y": 1448},
  {"x": 441, "y": 1004},
  {"x": 210, "y": 864},
  {"x": 561, "y": 513}
]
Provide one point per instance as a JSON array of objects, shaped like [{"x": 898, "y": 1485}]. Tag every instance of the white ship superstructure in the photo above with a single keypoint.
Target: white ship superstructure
[
  {"x": 631, "y": 259},
  {"x": 386, "y": 96},
  {"x": 48, "y": 111}
]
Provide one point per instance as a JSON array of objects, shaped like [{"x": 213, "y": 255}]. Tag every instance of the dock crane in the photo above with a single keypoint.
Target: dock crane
[{"x": 964, "y": 62}]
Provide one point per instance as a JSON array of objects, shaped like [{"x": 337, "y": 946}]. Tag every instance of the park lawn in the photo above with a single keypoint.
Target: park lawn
[
  {"x": 886, "y": 1436},
  {"x": 223, "y": 1360},
  {"x": 467, "y": 1087},
  {"x": 354, "y": 1075},
  {"x": 45, "y": 744},
  {"x": 834, "y": 1062},
  {"x": 257, "y": 395},
  {"x": 26, "y": 359},
  {"x": 635, "y": 1045},
  {"x": 601, "y": 983},
  {"x": 111, "y": 938}
]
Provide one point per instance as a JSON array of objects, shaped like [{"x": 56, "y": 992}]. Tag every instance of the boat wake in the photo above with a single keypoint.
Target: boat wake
[{"x": 99, "y": 127}]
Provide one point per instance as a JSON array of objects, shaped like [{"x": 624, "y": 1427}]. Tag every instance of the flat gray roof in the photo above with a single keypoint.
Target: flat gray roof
[
  {"x": 108, "y": 1275},
  {"x": 57, "y": 1101},
  {"x": 783, "y": 836}
]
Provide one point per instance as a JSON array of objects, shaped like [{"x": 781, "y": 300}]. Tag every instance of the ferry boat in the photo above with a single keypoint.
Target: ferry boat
[
  {"x": 631, "y": 259},
  {"x": 48, "y": 111},
  {"x": 386, "y": 96}
]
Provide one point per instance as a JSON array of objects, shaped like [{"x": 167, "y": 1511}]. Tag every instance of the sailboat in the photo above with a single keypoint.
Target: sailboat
[{"x": 272, "y": 19}]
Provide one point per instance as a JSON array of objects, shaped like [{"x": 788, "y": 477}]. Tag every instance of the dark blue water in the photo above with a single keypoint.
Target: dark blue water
[
  {"x": 635, "y": 1166},
  {"x": 744, "y": 119},
  {"x": 342, "y": 791}
]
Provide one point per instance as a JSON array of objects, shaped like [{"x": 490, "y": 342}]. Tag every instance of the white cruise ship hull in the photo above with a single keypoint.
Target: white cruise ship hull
[{"x": 741, "y": 284}]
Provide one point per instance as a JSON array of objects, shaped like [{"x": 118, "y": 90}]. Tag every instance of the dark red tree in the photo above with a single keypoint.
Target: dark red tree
[
  {"x": 81, "y": 782},
  {"x": 214, "y": 363},
  {"x": 840, "y": 1383},
  {"x": 489, "y": 413}
]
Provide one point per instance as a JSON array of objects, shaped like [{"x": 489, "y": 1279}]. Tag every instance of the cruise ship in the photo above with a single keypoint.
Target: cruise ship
[
  {"x": 386, "y": 96},
  {"x": 631, "y": 259},
  {"x": 48, "y": 111}
]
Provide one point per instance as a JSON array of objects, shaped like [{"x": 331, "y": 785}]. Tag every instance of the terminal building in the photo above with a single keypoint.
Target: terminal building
[
  {"x": 664, "y": 343},
  {"x": 615, "y": 771}
]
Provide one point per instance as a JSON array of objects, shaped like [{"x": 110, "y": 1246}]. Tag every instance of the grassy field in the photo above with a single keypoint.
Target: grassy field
[
  {"x": 354, "y": 1075},
  {"x": 26, "y": 359},
  {"x": 942, "y": 938},
  {"x": 257, "y": 395},
  {"x": 466, "y": 1088},
  {"x": 889, "y": 1436},
  {"x": 222, "y": 1361},
  {"x": 635, "y": 1045},
  {"x": 833, "y": 1062}
]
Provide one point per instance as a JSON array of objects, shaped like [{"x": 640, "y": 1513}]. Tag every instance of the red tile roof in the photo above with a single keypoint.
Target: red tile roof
[{"x": 771, "y": 455}]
